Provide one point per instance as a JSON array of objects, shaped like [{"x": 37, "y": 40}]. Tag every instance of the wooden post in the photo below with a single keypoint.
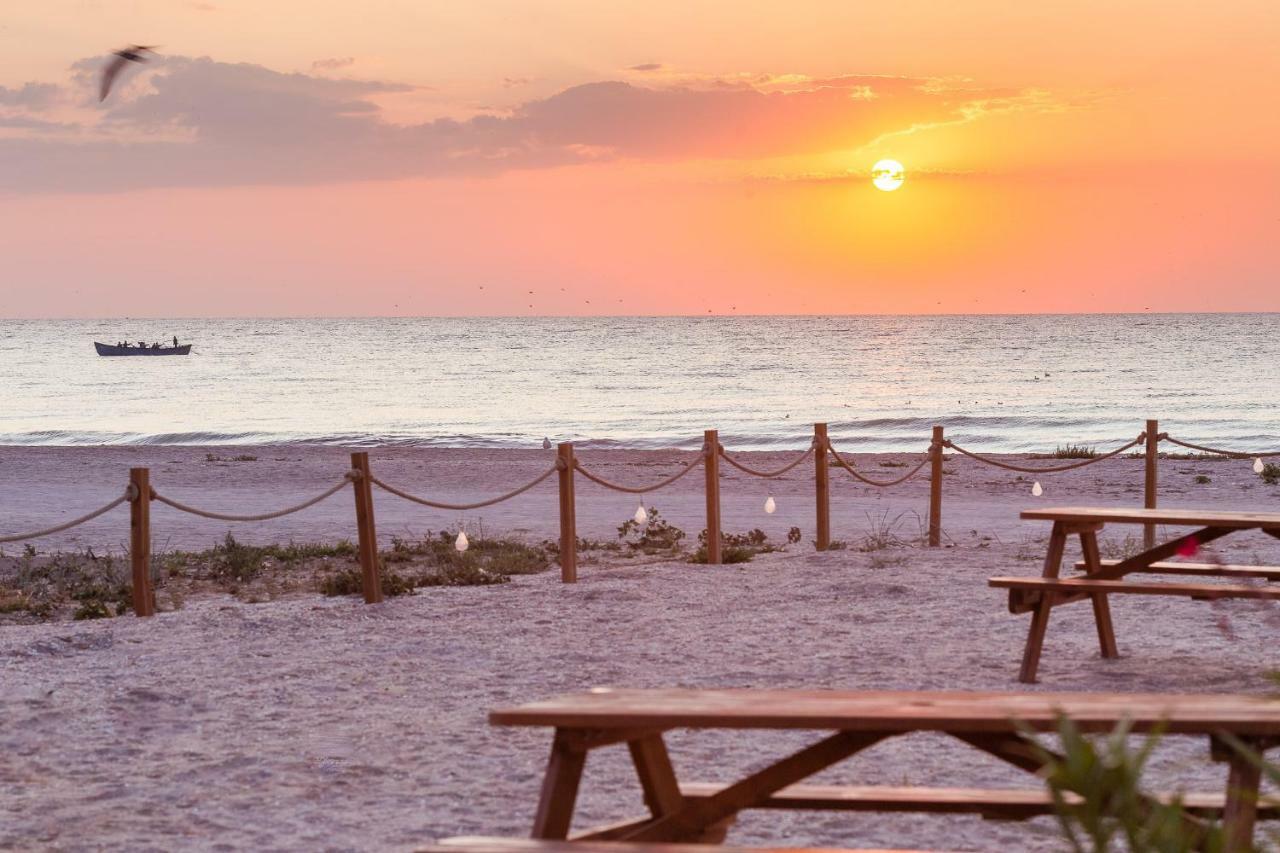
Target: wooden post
[
  {"x": 711, "y": 443},
  {"x": 144, "y": 599},
  {"x": 370, "y": 583},
  {"x": 1149, "y": 497},
  {"x": 821, "y": 480},
  {"x": 568, "y": 515},
  {"x": 935, "y": 490}
]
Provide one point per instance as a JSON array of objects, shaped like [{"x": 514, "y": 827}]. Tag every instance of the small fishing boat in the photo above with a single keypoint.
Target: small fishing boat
[{"x": 134, "y": 349}]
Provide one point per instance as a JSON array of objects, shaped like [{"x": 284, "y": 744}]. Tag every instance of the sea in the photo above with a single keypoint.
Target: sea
[{"x": 996, "y": 383}]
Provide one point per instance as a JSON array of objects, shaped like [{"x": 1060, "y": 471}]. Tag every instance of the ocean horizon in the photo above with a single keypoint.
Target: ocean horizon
[{"x": 997, "y": 382}]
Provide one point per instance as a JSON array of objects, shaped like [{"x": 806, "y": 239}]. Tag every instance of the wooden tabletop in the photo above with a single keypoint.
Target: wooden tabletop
[
  {"x": 890, "y": 711},
  {"x": 1186, "y": 517}
]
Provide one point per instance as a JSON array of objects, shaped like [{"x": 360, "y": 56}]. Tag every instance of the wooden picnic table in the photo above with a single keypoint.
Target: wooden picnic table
[
  {"x": 1039, "y": 596},
  {"x": 853, "y": 721}
]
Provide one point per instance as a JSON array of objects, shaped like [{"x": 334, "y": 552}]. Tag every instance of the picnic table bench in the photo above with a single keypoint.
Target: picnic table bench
[
  {"x": 1101, "y": 578},
  {"x": 852, "y": 721}
]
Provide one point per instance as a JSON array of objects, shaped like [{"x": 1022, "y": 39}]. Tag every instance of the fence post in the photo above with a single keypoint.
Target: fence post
[
  {"x": 935, "y": 489},
  {"x": 1149, "y": 496},
  {"x": 144, "y": 599},
  {"x": 711, "y": 445},
  {"x": 822, "y": 486},
  {"x": 370, "y": 583},
  {"x": 568, "y": 515}
]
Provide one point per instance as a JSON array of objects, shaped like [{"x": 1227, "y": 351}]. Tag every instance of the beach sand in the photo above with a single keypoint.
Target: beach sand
[{"x": 321, "y": 723}]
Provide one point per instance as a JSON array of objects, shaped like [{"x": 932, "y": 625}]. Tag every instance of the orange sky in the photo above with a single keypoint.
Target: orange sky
[{"x": 387, "y": 157}]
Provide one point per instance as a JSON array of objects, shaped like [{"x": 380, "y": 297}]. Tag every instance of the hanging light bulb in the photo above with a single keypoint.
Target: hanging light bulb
[
  {"x": 1258, "y": 467},
  {"x": 641, "y": 517},
  {"x": 1036, "y": 489},
  {"x": 770, "y": 505},
  {"x": 461, "y": 544}
]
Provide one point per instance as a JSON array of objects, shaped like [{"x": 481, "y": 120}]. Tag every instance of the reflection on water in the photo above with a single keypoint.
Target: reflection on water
[{"x": 998, "y": 383}]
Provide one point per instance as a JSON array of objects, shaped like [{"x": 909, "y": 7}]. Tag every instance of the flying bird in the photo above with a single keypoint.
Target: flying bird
[{"x": 119, "y": 59}]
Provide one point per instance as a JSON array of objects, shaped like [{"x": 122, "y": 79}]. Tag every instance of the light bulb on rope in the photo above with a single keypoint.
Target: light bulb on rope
[
  {"x": 641, "y": 517},
  {"x": 461, "y": 544},
  {"x": 1258, "y": 467},
  {"x": 1037, "y": 490},
  {"x": 770, "y": 505}
]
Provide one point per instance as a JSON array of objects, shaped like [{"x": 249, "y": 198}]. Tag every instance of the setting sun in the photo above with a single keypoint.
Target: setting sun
[{"x": 887, "y": 175}]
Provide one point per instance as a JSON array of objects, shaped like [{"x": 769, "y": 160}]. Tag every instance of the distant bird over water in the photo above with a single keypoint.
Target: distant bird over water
[{"x": 119, "y": 59}]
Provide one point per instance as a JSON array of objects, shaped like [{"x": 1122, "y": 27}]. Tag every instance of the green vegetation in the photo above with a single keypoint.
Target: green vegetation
[
  {"x": 243, "y": 457},
  {"x": 1107, "y": 776},
  {"x": 1074, "y": 451},
  {"x": 658, "y": 536},
  {"x": 1202, "y": 480},
  {"x": 1271, "y": 473}
]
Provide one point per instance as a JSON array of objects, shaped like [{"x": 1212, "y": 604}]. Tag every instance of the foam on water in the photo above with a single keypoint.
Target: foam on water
[{"x": 998, "y": 383}]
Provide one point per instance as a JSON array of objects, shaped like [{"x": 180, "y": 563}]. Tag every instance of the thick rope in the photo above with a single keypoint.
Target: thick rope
[
  {"x": 350, "y": 477},
  {"x": 877, "y": 483},
  {"x": 1234, "y": 454},
  {"x": 768, "y": 474},
  {"x": 49, "y": 531},
  {"x": 1052, "y": 469},
  {"x": 640, "y": 490},
  {"x": 458, "y": 507}
]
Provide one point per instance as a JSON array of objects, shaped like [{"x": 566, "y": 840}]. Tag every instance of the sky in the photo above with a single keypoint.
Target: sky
[{"x": 515, "y": 157}]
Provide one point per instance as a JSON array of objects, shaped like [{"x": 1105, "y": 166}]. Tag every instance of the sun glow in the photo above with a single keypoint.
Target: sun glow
[{"x": 887, "y": 175}]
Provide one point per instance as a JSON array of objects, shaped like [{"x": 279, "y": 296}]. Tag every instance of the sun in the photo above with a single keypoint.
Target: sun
[{"x": 887, "y": 175}]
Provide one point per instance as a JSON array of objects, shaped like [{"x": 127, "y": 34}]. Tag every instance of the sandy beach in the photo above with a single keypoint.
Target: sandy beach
[{"x": 323, "y": 723}]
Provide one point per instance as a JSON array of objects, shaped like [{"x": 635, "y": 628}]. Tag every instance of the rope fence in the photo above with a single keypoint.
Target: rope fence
[{"x": 360, "y": 477}]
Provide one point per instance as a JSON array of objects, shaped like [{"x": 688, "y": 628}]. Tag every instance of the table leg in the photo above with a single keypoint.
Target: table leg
[
  {"x": 559, "y": 788},
  {"x": 1101, "y": 608},
  {"x": 1241, "y": 809},
  {"x": 1035, "y": 639},
  {"x": 657, "y": 776}
]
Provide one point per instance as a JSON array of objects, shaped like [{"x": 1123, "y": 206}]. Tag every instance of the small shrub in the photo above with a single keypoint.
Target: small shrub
[
  {"x": 1074, "y": 451},
  {"x": 233, "y": 561},
  {"x": 351, "y": 582},
  {"x": 794, "y": 536},
  {"x": 1202, "y": 480},
  {"x": 658, "y": 535},
  {"x": 882, "y": 533},
  {"x": 91, "y": 609},
  {"x": 736, "y": 547},
  {"x": 1271, "y": 473},
  {"x": 463, "y": 573}
]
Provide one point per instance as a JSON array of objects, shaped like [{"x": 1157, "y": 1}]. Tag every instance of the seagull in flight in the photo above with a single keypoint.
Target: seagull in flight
[{"x": 119, "y": 59}]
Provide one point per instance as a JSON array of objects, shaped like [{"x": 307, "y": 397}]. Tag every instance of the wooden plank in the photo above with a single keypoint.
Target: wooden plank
[
  {"x": 568, "y": 514},
  {"x": 1087, "y": 586},
  {"x": 1173, "y": 517},
  {"x": 1241, "y": 810},
  {"x": 559, "y": 789},
  {"x": 897, "y": 711},
  {"x": 1269, "y": 573},
  {"x": 993, "y": 804},
  {"x": 822, "y": 486},
  {"x": 474, "y": 844},
  {"x": 694, "y": 818},
  {"x": 711, "y": 468}
]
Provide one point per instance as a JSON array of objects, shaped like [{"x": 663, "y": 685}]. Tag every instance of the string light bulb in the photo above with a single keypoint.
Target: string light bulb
[
  {"x": 641, "y": 517},
  {"x": 1037, "y": 490},
  {"x": 770, "y": 505},
  {"x": 461, "y": 544},
  {"x": 1258, "y": 467}
]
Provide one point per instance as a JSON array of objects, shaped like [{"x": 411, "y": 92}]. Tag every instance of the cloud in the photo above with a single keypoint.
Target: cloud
[
  {"x": 333, "y": 63},
  {"x": 199, "y": 122},
  {"x": 30, "y": 96},
  {"x": 646, "y": 66}
]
